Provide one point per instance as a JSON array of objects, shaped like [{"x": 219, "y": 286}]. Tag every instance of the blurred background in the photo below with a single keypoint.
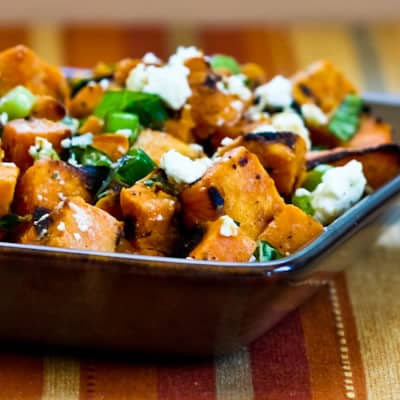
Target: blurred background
[{"x": 283, "y": 36}]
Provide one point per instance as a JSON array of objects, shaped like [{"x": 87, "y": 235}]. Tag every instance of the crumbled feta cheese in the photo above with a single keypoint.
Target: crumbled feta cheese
[
  {"x": 43, "y": 150},
  {"x": 169, "y": 82},
  {"x": 61, "y": 227},
  {"x": 197, "y": 147},
  {"x": 289, "y": 121},
  {"x": 78, "y": 141},
  {"x": 77, "y": 236},
  {"x": 263, "y": 128},
  {"x": 226, "y": 141},
  {"x": 234, "y": 85},
  {"x": 181, "y": 168},
  {"x": 151, "y": 58},
  {"x": 237, "y": 105},
  {"x": 81, "y": 218},
  {"x": 253, "y": 113},
  {"x": 183, "y": 54},
  {"x": 275, "y": 93},
  {"x": 340, "y": 188},
  {"x": 313, "y": 115},
  {"x": 3, "y": 118},
  {"x": 252, "y": 259},
  {"x": 105, "y": 83},
  {"x": 228, "y": 227}
]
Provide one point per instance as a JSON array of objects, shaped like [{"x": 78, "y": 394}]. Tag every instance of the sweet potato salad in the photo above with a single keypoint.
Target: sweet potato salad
[{"x": 196, "y": 156}]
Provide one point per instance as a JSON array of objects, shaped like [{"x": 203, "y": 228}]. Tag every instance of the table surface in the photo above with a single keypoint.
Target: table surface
[{"x": 343, "y": 343}]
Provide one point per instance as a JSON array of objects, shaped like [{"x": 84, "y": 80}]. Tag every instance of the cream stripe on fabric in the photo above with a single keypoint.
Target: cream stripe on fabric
[
  {"x": 46, "y": 40},
  {"x": 386, "y": 39},
  {"x": 313, "y": 42},
  {"x": 61, "y": 379},
  {"x": 181, "y": 35},
  {"x": 374, "y": 283},
  {"x": 233, "y": 376}
]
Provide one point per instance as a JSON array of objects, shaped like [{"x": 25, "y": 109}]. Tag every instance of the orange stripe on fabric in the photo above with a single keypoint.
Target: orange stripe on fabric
[
  {"x": 117, "y": 381},
  {"x": 21, "y": 377},
  {"x": 12, "y": 35},
  {"x": 331, "y": 344},
  {"x": 85, "y": 45},
  {"x": 271, "y": 47}
]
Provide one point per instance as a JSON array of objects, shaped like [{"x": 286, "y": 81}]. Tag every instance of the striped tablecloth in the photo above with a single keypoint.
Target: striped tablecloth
[{"x": 344, "y": 343}]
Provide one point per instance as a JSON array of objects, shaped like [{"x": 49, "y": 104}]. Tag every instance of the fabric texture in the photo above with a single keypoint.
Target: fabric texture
[{"x": 343, "y": 343}]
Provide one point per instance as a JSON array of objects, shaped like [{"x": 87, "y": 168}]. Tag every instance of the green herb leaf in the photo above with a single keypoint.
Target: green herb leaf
[
  {"x": 265, "y": 252},
  {"x": 17, "y": 103},
  {"x": 150, "y": 108},
  {"x": 346, "y": 120},
  {"x": 222, "y": 61},
  {"x": 303, "y": 201},
  {"x": 10, "y": 222},
  {"x": 314, "y": 177}
]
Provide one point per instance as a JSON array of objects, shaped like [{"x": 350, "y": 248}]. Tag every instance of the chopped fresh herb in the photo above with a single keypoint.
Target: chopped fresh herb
[
  {"x": 95, "y": 158},
  {"x": 17, "y": 103},
  {"x": 303, "y": 201},
  {"x": 265, "y": 252},
  {"x": 78, "y": 84},
  {"x": 314, "y": 177},
  {"x": 150, "y": 108},
  {"x": 222, "y": 61},
  {"x": 346, "y": 119},
  {"x": 10, "y": 222}
]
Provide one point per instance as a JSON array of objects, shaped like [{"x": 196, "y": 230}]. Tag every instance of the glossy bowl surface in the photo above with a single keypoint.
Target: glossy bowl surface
[{"x": 156, "y": 305}]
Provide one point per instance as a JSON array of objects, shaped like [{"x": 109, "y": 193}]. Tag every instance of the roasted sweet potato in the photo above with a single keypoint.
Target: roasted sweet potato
[
  {"x": 19, "y": 135},
  {"x": 236, "y": 185},
  {"x": 156, "y": 143},
  {"x": 150, "y": 216},
  {"x": 182, "y": 128},
  {"x": 282, "y": 154},
  {"x": 371, "y": 133},
  {"x": 291, "y": 229},
  {"x": 48, "y": 107},
  {"x": 215, "y": 246},
  {"x": 85, "y": 101},
  {"x": 115, "y": 145},
  {"x": 21, "y": 66},
  {"x": 93, "y": 125},
  {"x": 9, "y": 173},
  {"x": 75, "y": 224},
  {"x": 380, "y": 163},
  {"x": 111, "y": 204},
  {"x": 47, "y": 183},
  {"x": 322, "y": 84}
]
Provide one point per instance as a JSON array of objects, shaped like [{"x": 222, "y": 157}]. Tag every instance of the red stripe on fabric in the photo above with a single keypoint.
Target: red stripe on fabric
[
  {"x": 226, "y": 40},
  {"x": 279, "y": 362},
  {"x": 142, "y": 39},
  {"x": 187, "y": 381}
]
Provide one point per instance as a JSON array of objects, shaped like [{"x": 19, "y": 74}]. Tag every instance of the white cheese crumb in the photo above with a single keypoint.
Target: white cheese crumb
[
  {"x": 61, "y": 227},
  {"x": 289, "y": 121},
  {"x": 275, "y": 93},
  {"x": 313, "y": 115},
  {"x": 237, "y": 105},
  {"x": 3, "y": 118},
  {"x": 264, "y": 128},
  {"x": 78, "y": 141},
  {"x": 169, "y": 82},
  {"x": 182, "y": 169},
  {"x": 151, "y": 58},
  {"x": 197, "y": 147},
  {"x": 228, "y": 227},
  {"x": 234, "y": 85},
  {"x": 42, "y": 150},
  {"x": 39, "y": 197},
  {"x": 105, "y": 83},
  {"x": 183, "y": 54},
  {"x": 226, "y": 141},
  {"x": 159, "y": 217},
  {"x": 252, "y": 259},
  {"x": 81, "y": 218},
  {"x": 341, "y": 187},
  {"x": 77, "y": 236},
  {"x": 255, "y": 114}
]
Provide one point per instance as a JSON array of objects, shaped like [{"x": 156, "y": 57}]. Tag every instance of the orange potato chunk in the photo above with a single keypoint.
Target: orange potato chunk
[
  {"x": 115, "y": 145},
  {"x": 9, "y": 173}
]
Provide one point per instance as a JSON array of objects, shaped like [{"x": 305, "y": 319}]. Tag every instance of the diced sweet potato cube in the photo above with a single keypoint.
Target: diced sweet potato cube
[
  {"x": 49, "y": 108},
  {"x": 19, "y": 135},
  {"x": 47, "y": 183},
  {"x": 93, "y": 125},
  {"x": 115, "y": 145},
  {"x": 236, "y": 185},
  {"x": 75, "y": 224},
  {"x": 215, "y": 246},
  {"x": 8, "y": 179},
  {"x": 111, "y": 204},
  {"x": 322, "y": 84},
  {"x": 21, "y": 66},
  {"x": 156, "y": 143},
  {"x": 291, "y": 229},
  {"x": 86, "y": 100},
  {"x": 152, "y": 213},
  {"x": 181, "y": 128}
]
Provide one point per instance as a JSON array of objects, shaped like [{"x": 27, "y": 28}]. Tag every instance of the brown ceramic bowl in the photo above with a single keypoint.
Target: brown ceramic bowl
[{"x": 118, "y": 302}]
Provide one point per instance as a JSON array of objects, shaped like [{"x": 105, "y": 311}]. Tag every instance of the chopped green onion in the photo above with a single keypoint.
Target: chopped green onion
[
  {"x": 303, "y": 201},
  {"x": 265, "y": 252},
  {"x": 118, "y": 120},
  {"x": 346, "y": 119},
  {"x": 314, "y": 177},
  {"x": 43, "y": 150},
  {"x": 95, "y": 158},
  {"x": 17, "y": 103},
  {"x": 10, "y": 222},
  {"x": 150, "y": 108},
  {"x": 222, "y": 61}
]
